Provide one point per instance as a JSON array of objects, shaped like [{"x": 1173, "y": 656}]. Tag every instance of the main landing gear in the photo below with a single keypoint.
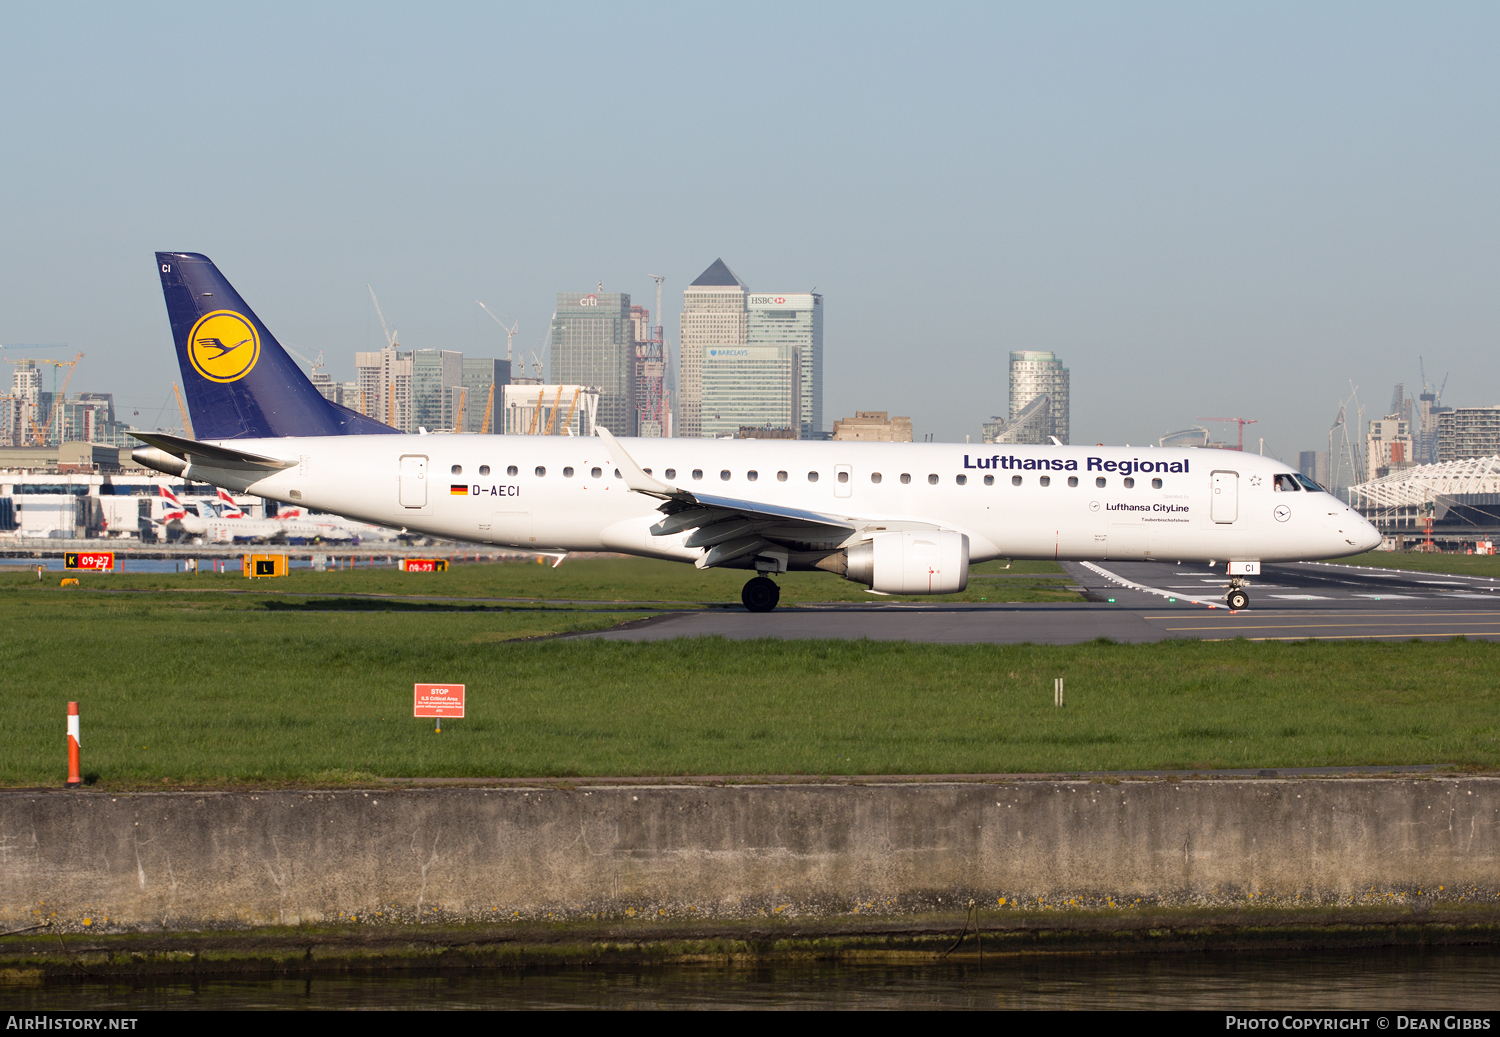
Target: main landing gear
[
  {"x": 1237, "y": 598},
  {"x": 760, "y": 594}
]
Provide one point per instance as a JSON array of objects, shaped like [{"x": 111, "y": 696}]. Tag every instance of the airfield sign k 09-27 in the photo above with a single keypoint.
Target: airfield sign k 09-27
[{"x": 438, "y": 700}]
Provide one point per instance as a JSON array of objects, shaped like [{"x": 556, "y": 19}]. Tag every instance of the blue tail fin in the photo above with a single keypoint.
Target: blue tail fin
[{"x": 240, "y": 383}]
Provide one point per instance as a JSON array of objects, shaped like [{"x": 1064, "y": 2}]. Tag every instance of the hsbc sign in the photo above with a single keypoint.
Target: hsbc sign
[{"x": 802, "y": 301}]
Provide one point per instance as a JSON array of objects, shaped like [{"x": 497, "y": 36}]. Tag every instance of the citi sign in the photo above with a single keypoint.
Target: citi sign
[{"x": 589, "y": 300}]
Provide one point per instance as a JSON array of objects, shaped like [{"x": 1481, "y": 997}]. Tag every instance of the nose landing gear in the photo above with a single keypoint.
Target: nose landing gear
[
  {"x": 760, "y": 594},
  {"x": 1237, "y": 598}
]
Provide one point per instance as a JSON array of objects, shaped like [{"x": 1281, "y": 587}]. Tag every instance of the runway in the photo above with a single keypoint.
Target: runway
[{"x": 1140, "y": 602}]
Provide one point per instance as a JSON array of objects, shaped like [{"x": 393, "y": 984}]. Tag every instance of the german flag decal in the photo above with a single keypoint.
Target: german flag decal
[{"x": 459, "y": 490}]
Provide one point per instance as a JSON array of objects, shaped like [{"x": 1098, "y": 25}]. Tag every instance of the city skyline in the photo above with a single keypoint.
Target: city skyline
[{"x": 1229, "y": 211}]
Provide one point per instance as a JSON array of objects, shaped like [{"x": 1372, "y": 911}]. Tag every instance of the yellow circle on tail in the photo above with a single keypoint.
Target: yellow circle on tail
[{"x": 223, "y": 346}]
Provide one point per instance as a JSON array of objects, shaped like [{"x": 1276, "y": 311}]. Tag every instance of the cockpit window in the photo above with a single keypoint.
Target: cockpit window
[
  {"x": 1285, "y": 483},
  {"x": 1309, "y": 485}
]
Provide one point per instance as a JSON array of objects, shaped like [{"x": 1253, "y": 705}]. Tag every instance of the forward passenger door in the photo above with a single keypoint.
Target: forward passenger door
[{"x": 1224, "y": 506}]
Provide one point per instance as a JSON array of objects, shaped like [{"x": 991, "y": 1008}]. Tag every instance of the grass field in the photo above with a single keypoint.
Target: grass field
[
  {"x": 585, "y": 579},
  {"x": 1464, "y": 565},
  {"x": 187, "y": 686}
]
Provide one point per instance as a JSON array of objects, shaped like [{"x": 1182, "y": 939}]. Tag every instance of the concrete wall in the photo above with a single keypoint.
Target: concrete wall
[{"x": 202, "y": 860}]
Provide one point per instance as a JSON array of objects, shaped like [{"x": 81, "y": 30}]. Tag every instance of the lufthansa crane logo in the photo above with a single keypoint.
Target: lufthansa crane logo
[{"x": 223, "y": 346}]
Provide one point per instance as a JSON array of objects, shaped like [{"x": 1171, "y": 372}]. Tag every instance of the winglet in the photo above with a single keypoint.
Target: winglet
[{"x": 635, "y": 476}]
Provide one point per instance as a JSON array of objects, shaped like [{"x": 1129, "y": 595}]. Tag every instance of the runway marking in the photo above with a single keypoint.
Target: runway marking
[
  {"x": 1361, "y": 612},
  {"x": 1292, "y": 626},
  {"x": 1360, "y": 637},
  {"x": 1132, "y": 585},
  {"x": 1389, "y": 597},
  {"x": 1301, "y": 597}
]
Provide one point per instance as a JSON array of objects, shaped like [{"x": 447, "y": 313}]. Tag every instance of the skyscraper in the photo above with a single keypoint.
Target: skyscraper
[
  {"x": 750, "y": 386},
  {"x": 385, "y": 387},
  {"x": 436, "y": 380},
  {"x": 713, "y": 315},
  {"x": 794, "y": 321},
  {"x": 1032, "y": 373},
  {"x": 593, "y": 344},
  {"x": 480, "y": 377}
]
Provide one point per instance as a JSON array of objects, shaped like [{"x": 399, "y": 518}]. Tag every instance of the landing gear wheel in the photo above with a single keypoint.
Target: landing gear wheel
[
  {"x": 760, "y": 594},
  {"x": 1238, "y": 599}
]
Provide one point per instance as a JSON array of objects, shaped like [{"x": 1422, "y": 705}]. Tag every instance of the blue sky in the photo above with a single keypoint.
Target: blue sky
[{"x": 1204, "y": 209}]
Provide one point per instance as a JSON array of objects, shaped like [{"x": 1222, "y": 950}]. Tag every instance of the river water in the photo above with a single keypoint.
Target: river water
[{"x": 1461, "y": 979}]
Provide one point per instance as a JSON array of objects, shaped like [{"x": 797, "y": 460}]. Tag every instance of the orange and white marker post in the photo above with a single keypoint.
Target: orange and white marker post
[{"x": 74, "y": 778}]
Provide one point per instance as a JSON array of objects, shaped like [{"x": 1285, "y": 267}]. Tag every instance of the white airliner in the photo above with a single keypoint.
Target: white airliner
[{"x": 900, "y": 518}]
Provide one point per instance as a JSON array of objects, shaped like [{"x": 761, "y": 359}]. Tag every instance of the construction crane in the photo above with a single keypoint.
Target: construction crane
[
  {"x": 568, "y": 421},
  {"x": 1242, "y": 423},
  {"x": 187, "y": 426},
  {"x": 39, "y": 436},
  {"x": 58, "y": 395},
  {"x": 536, "y": 415},
  {"x": 390, "y": 336},
  {"x": 552, "y": 420},
  {"x": 489, "y": 410},
  {"x": 510, "y": 332},
  {"x": 312, "y": 364},
  {"x": 458, "y": 422}
]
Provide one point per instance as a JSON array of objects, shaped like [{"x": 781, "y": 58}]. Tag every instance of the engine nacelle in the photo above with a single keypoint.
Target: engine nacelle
[{"x": 911, "y": 562}]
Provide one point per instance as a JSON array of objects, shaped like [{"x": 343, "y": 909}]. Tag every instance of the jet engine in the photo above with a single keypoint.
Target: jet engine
[{"x": 906, "y": 562}]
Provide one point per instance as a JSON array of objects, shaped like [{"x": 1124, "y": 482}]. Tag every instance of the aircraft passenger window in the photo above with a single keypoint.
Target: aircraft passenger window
[
  {"x": 567, "y": 473},
  {"x": 843, "y": 477},
  {"x": 1099, "y": 482},
  {"x": 812, "y": 476},
  {"x": 932, "y": 480},
  {"x": 1156, "y": 484},
  {"x": 458, "y": 469},
  {"x": 752, "y": 475},
  {"x": 1045, "y": 480},
  {"x": 513, "y": 470},
  {"x": 1015, "y": 480},
  {"x": 961, "y": 479},
  {"x": 989, "y": 480},
  {"x": 540, "y": 471},
  {"x": 617, "y": 474},
  {"x": 697, "y": 473},
  {"x": 905, "y": 478},
  {"x": 724, "y": 475},
  {"x": 671, "y": 473},
  {"x": 781, "y": 477},
  {"x": 1129, "y": 483},
  {"x": 874, "y": 476},
  {"x": 646, "y": 470},
  {"x": 595, "y": 473}
]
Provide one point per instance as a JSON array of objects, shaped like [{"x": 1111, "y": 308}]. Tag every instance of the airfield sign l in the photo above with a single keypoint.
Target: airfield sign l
[{"x": 438, "y": 700}]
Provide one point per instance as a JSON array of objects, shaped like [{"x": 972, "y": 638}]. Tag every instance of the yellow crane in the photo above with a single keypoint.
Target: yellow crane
[
  {"x": 39, "y": 436},
  {"x": 489, "y": 410},
  {"x": 187, "y": 426},
  {"x": 568, "y": 421},
  {"x": 536, "y": 415},
  {"x": 552, "y": 420},
  {"x": 458, "y": 422}
]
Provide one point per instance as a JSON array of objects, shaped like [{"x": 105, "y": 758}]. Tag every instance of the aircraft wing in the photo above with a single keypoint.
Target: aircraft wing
[{"x": 728, "y": 527}]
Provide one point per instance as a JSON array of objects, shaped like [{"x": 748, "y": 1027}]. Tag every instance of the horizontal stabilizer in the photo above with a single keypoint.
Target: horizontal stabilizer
[{"x": 205, "y": 454}]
